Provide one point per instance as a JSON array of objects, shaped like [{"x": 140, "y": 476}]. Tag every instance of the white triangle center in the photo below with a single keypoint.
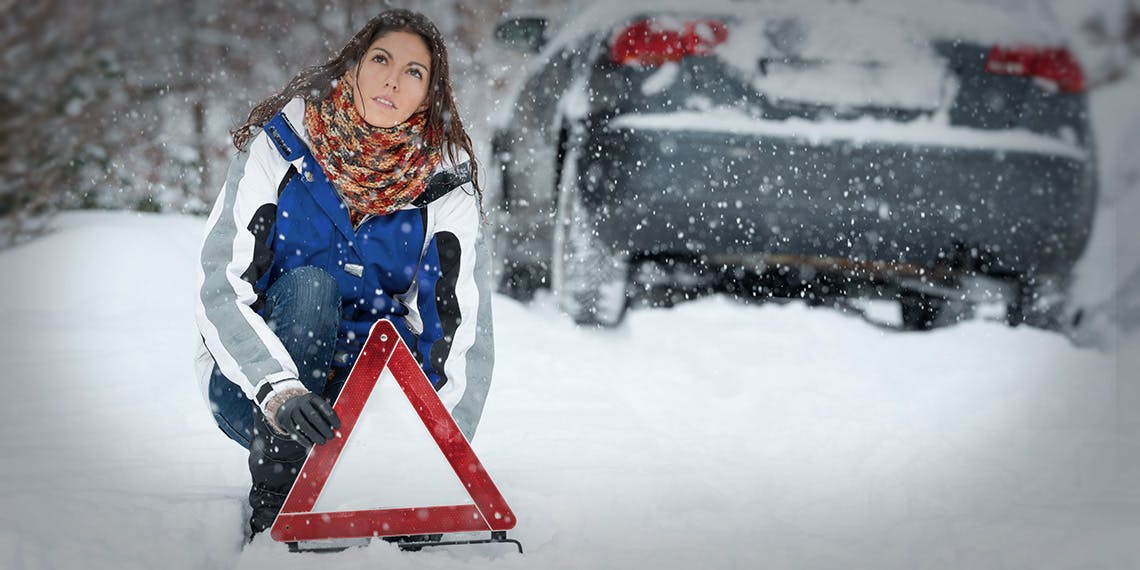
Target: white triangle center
[{"x": 390, "y": 460}]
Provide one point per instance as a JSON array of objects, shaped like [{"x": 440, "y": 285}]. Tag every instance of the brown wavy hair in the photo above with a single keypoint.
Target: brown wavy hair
[{"x": 315, "y": 83}]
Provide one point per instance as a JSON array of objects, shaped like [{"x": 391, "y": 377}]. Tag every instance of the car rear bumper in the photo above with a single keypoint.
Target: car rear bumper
[{"x": 714, "y": 192}]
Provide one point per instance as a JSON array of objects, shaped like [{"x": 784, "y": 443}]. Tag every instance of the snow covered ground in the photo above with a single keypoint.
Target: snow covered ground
[{"x": 711, "y": 435}]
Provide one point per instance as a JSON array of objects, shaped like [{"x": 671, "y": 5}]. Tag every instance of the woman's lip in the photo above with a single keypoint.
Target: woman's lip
[{"x": 384, "y": 102}]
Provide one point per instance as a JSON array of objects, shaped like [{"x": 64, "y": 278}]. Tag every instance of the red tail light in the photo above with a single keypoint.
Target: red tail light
[
  {"x": 1056, "y": 66},
  {"x": 654, "y": 42}
]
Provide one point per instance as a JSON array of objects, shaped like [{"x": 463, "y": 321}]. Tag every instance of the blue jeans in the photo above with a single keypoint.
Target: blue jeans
[{"x": 303, "y": 309}]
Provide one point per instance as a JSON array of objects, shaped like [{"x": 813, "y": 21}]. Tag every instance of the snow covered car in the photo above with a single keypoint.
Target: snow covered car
[{"x": 938, "y": 153}]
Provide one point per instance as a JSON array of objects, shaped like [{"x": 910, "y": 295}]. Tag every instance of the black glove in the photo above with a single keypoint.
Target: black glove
[{"x": 308, "y": 418}]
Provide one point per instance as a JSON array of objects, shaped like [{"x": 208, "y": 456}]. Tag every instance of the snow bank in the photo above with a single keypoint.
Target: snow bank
[{"x": 1108, "y": 276}]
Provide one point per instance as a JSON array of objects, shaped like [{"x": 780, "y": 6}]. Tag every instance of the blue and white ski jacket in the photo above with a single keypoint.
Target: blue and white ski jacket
[{"x": 424, "y": 267}]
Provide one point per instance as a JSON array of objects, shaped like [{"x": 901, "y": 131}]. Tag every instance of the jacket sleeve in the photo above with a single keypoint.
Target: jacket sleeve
[
  {"x": 234, "y": 255},
  {"x": 453, "y": 307}
]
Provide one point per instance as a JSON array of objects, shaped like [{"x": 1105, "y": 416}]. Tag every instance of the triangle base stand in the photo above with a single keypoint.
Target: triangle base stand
[
  {"x": 496, "y": 536},
  {"x": 413, "y": 543}
]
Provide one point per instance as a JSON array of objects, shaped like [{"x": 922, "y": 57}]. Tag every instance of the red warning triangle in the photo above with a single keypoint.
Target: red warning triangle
[{"x": 385, "y": 350}]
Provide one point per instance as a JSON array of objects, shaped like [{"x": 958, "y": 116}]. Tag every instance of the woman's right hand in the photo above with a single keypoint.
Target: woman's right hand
[{"x": 308, "y": 419}]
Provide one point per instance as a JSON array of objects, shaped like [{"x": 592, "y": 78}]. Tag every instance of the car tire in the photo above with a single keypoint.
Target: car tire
[
  {"x": 588, "y": 278},
  {"x": 1041, "y": 302},
  {"x": 520, "y": 282},
  {"x": 516, "y": 278},
  {"x": 921, "y": 311}
]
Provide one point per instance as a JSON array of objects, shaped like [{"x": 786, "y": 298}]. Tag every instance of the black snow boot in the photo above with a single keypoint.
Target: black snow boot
[{"x": 274, "y": 462}]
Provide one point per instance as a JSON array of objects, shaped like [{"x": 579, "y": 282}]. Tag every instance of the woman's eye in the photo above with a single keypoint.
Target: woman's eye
[
  {"x": 378, "y": 58},
  {"x": 416, "y": 73}
]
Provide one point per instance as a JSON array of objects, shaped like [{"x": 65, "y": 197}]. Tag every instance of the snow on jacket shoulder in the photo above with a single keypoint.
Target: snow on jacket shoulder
[{"x": 424, "y": 267}]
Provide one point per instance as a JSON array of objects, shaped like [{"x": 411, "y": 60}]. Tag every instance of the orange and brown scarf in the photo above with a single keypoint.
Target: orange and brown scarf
[{"x": 377, "y": 170}]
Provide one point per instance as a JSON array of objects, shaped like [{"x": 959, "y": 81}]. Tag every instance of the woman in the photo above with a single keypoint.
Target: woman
[{"x": 356, "y": 201}]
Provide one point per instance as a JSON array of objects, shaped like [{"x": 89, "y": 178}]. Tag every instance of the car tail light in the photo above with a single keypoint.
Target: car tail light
[
  {"x": 1056, "y": 66},
  {"x": 653, "y": 42}
]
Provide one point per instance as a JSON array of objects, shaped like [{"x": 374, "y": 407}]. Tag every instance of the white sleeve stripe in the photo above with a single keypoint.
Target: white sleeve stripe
[{"x": 245, "y": 349}]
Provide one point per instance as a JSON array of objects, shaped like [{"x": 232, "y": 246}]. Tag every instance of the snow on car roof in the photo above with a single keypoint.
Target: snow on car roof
[
  {"x": 898, "y": 32},
  {"x": 982, "y": 21}
]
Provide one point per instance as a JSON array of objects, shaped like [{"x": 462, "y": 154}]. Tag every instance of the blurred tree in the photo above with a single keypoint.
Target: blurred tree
[
  {"x": 59, "y": 78},
  {"x": 1108, "y": 39},
  {"x": 128, "y": 104}
]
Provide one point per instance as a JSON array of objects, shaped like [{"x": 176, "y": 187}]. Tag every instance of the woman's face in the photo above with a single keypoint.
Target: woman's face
[{"x": 392, "y": 82}]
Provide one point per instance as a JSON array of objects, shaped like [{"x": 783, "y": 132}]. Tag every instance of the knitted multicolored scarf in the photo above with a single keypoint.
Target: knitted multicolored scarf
[{"x": 377, "y": 170}]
